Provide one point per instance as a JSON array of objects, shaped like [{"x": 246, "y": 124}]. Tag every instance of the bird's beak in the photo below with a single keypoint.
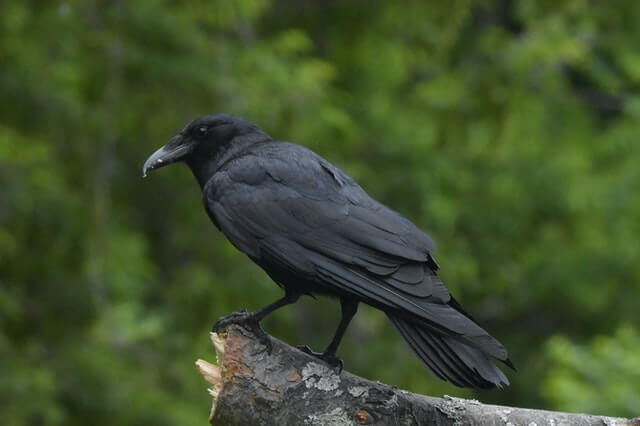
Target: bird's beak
[{"x": 173, "y": 151}]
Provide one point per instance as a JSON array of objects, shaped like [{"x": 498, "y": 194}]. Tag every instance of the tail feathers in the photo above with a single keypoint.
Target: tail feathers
[{"x": 450, "y": 359}]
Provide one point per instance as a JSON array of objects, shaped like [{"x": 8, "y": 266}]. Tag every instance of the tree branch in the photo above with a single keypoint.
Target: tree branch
[{"x": 290, "y": 387}]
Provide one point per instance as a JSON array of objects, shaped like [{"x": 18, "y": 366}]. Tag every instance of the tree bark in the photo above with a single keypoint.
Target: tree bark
[{"x": 290, "y": 387}]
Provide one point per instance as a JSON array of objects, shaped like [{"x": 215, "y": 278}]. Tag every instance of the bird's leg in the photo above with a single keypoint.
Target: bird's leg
[
  {"x": 252, "y": 320},
  {"x": 349, "y": 309}
]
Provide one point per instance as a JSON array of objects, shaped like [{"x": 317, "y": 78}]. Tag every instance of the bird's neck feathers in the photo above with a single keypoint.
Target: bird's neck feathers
[{"x": 204, "y": 163}]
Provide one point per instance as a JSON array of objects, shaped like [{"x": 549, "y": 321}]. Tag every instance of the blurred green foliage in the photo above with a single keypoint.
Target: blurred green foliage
[
  {"x": 507, "y": 129},
  {"x": 600, "y": 377}
]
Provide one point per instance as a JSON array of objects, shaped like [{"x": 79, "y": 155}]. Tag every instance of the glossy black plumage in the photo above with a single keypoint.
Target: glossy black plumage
[{"x": 315, "y": 231}]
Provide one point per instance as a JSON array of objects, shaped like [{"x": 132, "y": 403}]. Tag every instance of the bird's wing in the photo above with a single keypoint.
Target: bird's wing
[{"x": 300, "y": 211}]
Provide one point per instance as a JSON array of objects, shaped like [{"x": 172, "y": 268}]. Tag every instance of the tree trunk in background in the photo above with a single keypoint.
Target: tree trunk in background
[{"x": 289, "y": 387}]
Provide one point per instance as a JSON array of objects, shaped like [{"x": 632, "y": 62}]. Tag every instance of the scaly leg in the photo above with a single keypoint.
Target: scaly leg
[{"x": 349, "y": 309}]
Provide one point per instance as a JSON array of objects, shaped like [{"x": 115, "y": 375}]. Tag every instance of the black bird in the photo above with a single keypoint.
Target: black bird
[{"x": 314, "y": 230}]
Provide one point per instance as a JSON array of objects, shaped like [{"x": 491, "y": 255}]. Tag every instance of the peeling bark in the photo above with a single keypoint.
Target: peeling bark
[{"x": 290, "y": 387}]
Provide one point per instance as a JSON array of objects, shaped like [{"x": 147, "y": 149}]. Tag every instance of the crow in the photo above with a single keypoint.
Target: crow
[{"x": 315, "y": 231}]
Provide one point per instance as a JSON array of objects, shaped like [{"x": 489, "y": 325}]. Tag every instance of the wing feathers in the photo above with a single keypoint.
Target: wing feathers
[
  {"x": 433, "y": 315},
  {"x": 449, "y": 359},
  {"x": 410, "y": 273}
]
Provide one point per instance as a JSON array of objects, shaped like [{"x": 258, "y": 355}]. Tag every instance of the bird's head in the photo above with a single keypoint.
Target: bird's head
[{"x": 200, "y": 142}]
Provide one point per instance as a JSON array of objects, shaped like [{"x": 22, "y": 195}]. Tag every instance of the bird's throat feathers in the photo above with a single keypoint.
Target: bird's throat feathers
[{"x": 201, "y": 164}]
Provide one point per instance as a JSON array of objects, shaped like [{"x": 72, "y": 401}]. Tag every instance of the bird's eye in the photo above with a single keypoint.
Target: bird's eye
[{"x": 202, "y": 131}]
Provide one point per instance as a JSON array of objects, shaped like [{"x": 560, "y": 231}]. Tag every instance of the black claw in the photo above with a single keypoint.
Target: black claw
[
  {"x": 261, "y": 335},
  {"x": 306, "y": 349},
  {"x": 340, "y": 366},
  {"x": 334, "y": 362},
  {"x": 268, "y": 346},
  {"x": 247, "y": 320},
  {"x": 239, "y": 317}
]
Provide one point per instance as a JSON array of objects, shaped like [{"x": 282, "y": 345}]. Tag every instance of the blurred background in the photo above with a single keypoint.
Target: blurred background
[{"x": 506, "y": 129}]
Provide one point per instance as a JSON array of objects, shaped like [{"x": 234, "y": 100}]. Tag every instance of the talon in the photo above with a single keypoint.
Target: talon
[
  {"x": 261, "y": 335},
  {"x": 268, "y": 346},
  {"x": 240, "y": 317},
  {"x": 339, "y": 366},
  {"x": 247, "y": 320},
  {"x": 306, "y": 349},
  {"x": 336, "y": 363}
]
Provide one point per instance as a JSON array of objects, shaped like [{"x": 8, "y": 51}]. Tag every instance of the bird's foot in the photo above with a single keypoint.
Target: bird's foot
[
  {"x": 247, "y": 320},
  {"x": 329, "y": 358},
  {"x": 239, "y": 317}
]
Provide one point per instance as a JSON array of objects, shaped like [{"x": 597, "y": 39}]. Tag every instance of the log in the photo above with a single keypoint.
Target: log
[{"x": 290, "y": 387}]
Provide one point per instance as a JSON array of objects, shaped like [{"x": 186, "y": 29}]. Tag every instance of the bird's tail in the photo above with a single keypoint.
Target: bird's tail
[{"x": 448, "y": 358}]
